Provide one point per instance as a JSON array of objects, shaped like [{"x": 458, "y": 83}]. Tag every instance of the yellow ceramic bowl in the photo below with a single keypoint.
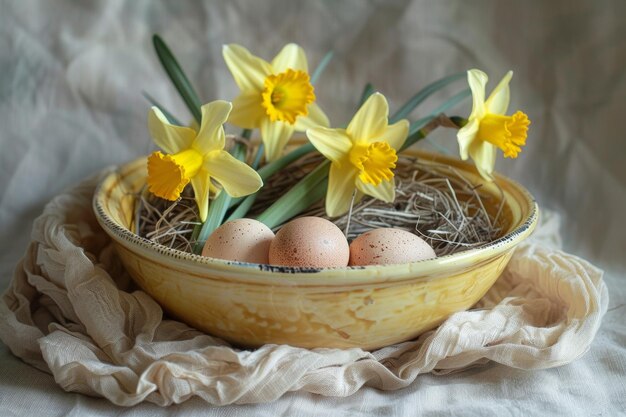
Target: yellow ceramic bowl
[{"x": 367, "y": 307}]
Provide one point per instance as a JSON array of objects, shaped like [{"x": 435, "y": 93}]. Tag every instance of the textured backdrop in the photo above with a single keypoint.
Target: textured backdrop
[{"x": 72, "y": 74}]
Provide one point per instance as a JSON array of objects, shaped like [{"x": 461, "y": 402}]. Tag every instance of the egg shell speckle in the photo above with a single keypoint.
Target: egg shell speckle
[
  {"x": 310, "y": 242},
  {"x": 243, "y": 240},
  {"x": 388, "y": 246}
]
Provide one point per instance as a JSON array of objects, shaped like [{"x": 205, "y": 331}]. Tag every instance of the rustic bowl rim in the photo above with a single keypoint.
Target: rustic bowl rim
[{"x": 249, "y": 272}]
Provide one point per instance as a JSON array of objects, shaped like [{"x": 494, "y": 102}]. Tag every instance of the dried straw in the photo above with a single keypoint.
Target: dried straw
[
  {"x": 435, "y": 201},
  {"x": 169, "y": 223}
]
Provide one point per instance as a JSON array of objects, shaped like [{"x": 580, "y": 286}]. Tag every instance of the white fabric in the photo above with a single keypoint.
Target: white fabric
[
  {"x": 69, "y": 310},
  {"x": 70, "y": 104}
]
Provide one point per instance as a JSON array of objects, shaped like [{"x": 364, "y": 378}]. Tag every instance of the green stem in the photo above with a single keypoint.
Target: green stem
[
  {"x": 195, "y": 233},
  {"x": 219, "y": 206},
  {"x": 258, "y": 156},
  {"x": 459, "y": 121},
  {"x": 417, "y": 125},
  {"x": 170, "y": 117},
  {"x": 321, "y": 67},
  {"x": 418, "y": 131},
  {"x": 245, "y": 204},
  {"x": 422, "y": 95},
  {"x": 270, "y": 169},
  {"x": 300, "y": 197}
]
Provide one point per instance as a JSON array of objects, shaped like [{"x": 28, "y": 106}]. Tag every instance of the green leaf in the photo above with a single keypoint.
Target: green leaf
[
  {"x": 270, "y": 169},
  {"x": 170, "y": 118},
  {"x": 321, "y": 67},
  {"x": 368, "y": 90},
  {"x": 417, "y": 125},
  {"x": 422, "y": 95},
  {"x": 245, "y": 203},
  {"x": 300, "y": 197},
  {"x": 244, "y": 207},
  {"x": 415, "y": 130},
  {"x": 301, "y": 202},
  {"x": 453, "y": 101},
  {"x": 178, "y": 77}
]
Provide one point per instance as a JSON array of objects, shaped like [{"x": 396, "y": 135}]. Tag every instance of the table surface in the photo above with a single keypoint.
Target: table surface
[{"x": 594, "y": 385}]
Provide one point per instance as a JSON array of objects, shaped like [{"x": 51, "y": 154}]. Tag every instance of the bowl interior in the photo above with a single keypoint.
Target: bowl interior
[{"x": 114, "y": 204}]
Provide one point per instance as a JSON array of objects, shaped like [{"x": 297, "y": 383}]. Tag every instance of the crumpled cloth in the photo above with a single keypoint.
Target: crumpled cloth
[{"x": 72, "y": 310}]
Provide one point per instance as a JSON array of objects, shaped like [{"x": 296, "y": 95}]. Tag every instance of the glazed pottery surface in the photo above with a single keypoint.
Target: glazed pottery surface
[{"x": 367, "y": 307}]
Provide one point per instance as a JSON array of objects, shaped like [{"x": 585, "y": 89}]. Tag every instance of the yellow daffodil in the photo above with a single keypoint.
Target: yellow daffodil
[
  {"x": 488, "y": 128},
  {"x": 196, "y": 157},
  {"x": 362, "y": 156},
  {"x": 276, "y": 97}
]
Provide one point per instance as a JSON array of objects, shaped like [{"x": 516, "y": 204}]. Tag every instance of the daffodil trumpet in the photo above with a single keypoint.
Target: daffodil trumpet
[
  {"x": 488, "y": 127},
  {"x": 196, "y": 158},
  {"x": 363, "y": 156},
  {"x": 277, "y": 97}
]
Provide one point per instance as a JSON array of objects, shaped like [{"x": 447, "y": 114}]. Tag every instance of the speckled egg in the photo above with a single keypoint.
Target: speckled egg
[
  {"x": 388, "y": 246},
  {"x": 243, "y": 240},
  {"x": 310, "y": 242}
]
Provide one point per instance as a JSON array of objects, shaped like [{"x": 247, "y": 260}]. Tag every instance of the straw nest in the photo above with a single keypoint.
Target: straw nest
[{"x": 434, "y": 201}]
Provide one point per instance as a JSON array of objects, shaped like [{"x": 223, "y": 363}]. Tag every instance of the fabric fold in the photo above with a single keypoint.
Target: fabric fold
[{"x": 71, "y": 310}]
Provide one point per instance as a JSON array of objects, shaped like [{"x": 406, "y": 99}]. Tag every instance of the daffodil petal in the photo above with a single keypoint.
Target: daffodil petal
[
  {"x": 211, "y": 134},
  {"x": 237, "y": 178},
  {"x": 249, "y": 71},
  {"x": 484, "y": 156},
  {"x": 247, "y": 111},
  {"x": 477, "y": 81},
  {"x": 370, "y": 120},
  {"x": 291, "y": 56},
  {"x": 394, "y": 134},
  {"x": 201, "y": 184},
  {"x": 315, "y": 118},
  {"x": 172, "y": 139},
  {"x": 498, "y": 101},
  {"x": 334, "y": 144},
  {"x": 466, "y": 136},
  {"x": 385, "y": 191},
  {"x": 275, "y": 136},
  {"x": 341, "y": 186}
]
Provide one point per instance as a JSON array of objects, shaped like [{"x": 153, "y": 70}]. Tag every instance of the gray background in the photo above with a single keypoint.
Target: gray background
[{"x": 71, "y": 78}]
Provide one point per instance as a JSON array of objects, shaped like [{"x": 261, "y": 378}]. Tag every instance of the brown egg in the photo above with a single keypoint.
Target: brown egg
[
  {"x": 310, "y": 242},
  {"x": 389, "y": 246},
  {"x": 243, "y": 240}
]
